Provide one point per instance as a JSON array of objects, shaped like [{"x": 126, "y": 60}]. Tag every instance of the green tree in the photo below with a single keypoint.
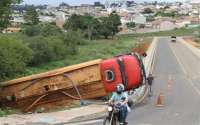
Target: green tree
[
  {"x": 85, "y": 23},
  {"x": 115, "y": 22},
  {"x": 106, "y": 27},
  {"x": 147, "y": 11},
  {"x": 31, "y": 16},
  {"x": 75, "y": 22},
  {"x": 5, "y": 12},
  {"x": 14, "y": 56}
]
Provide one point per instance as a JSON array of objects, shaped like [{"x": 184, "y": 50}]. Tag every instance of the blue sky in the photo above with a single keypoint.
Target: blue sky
[{"x": 73, "y": 2}]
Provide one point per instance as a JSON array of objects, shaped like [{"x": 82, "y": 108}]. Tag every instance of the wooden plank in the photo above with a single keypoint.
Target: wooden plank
[
  {"x": 83, "y": 76},
  {"x": 51, "y": 73},
  {"x": 89, "y": 91}
]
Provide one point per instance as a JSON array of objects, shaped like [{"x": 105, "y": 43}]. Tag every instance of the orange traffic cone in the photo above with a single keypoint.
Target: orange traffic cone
[{"x": 160, "y": 100}]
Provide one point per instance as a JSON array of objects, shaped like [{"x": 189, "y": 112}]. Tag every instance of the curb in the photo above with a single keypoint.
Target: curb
[{"x": 142, "y": 92}]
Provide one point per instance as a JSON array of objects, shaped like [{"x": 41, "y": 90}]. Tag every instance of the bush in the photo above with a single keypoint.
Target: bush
[
  {"x": 46, "y": 49},
  {"x": 32, "y": 30},
  {"x": 50, "y": 30},
  {"x": 131, "y": 25},
  {"x": 14, "y": 56},
  {"x": 71, "y": 40}
]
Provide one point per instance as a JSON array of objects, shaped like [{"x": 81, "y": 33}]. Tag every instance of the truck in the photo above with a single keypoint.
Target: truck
[{"x": 88, "y": 80}]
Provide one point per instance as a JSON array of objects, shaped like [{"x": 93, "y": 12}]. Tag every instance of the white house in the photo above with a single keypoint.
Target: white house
[{"x": 140, "y": 19}]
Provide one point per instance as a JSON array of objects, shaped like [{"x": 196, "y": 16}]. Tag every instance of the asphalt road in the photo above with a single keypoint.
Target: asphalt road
[{"x": 177, "y": 65}]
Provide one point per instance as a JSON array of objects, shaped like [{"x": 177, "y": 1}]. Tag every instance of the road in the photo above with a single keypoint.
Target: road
[{"x": 177, "y": 65}]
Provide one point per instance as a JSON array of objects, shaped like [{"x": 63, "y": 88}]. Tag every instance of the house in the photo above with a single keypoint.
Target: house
[
  {"x": 11, "y": 30},
  {"x": 17, "y": 19},
  {"x": 164, "y": 23},
  {"x": 48, "y": 19},
  {"x": 140, "y": 19},
  {"x": 60, "y": 19}
]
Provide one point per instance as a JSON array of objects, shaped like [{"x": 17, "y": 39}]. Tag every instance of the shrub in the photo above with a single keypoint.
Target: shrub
[
  {"x": 50, "y": 30},
  {"x": 14, "y": 56},
  {"x": 71, "y": 40},
  {"x": 32, "y": 30},
  {"x": 46, "y": 49}
]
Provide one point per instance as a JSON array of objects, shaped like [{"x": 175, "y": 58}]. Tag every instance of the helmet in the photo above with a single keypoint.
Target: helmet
[{"x": 120, "y": 88}]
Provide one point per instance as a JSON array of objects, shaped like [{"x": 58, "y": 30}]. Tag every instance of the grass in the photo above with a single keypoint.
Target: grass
[
  {"x": 177, "y": 32},
  {"x": 94, "y": 49},
  {"x": 7, "y": 111}
]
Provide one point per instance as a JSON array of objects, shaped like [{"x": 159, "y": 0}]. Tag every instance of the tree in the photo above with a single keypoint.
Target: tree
[
  {"x": 31, "y": 16},
  {"x": 106, "y": 27},
  {"x": 5, "y": 12},
  {"x": 116, "y": 22},
  {"x": 74, "y": 22},
  {"x": 94, "y": 27},
  {"x": 147, "y": 11}
]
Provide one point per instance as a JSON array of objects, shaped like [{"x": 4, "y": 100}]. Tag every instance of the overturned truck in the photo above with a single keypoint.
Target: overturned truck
[{"x": 87, "y": 80}]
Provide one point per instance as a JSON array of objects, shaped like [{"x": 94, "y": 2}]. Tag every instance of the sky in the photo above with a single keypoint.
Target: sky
[
  {"x": 57, "y": 2},
  {"x": 72, "y": 2}
]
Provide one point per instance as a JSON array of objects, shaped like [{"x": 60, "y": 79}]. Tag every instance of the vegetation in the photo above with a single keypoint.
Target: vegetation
[
  {"x": 6, "y": 111},
  {"x": 92, "y": 27},
  {"x": 131, "y": 25},
  {"x": 37, "y": 45},
  {"x": 53, "y": 52},
  {"x": 5, "y": 12},
  {"x": 167, "y": 14},
  {"x": 14, "y": 56},
  {"x": 150, "y": 18},
  {"x": 177, "y": 32},
  {"x": 147, "y": 11},
  {"x": 31, "y": 16}
]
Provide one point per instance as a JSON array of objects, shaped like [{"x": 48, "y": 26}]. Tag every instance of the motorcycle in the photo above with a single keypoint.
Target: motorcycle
[{"x": 113, "y": 115}]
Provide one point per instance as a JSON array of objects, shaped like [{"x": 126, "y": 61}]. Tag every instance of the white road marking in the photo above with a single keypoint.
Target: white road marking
[
  {"x": 180, "y": 63},
  {"x": 192, "y": 84},
  {"x": 185, "y": 72}
]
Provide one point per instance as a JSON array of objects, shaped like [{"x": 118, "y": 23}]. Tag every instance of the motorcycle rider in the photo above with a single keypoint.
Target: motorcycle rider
[{"x": 121, "y": 97}]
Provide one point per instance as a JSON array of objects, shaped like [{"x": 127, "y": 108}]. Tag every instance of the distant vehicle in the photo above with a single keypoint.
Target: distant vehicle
[{"x": 173, "y": 38}]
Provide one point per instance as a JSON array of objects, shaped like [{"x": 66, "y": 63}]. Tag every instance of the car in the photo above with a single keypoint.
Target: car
[{"x": 173, "y": 38}]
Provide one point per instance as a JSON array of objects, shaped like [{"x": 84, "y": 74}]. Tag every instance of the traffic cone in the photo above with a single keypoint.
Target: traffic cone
[{"x": 160, "y": 100}]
